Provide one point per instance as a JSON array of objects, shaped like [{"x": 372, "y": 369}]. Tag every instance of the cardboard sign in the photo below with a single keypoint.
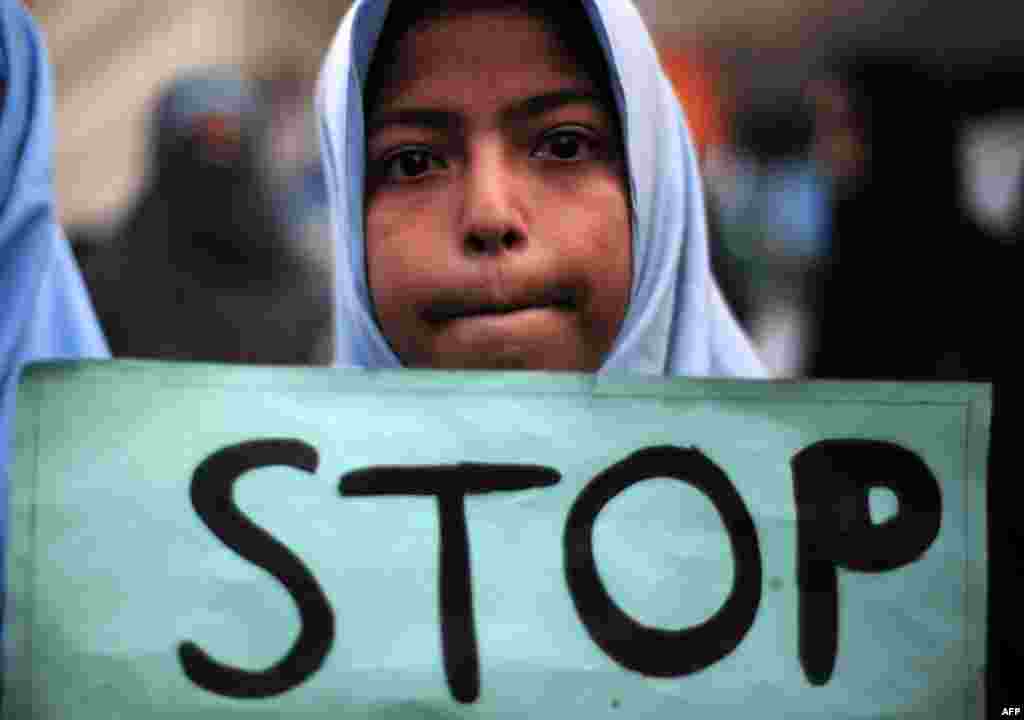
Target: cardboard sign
[{"x": 217, "y": 542}]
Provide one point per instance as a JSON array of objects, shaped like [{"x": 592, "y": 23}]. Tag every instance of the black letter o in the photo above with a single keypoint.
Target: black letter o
[{"x": 647, "y": 650}]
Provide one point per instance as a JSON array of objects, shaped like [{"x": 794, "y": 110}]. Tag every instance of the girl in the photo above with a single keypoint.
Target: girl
[{"x": 514, "y": 186}]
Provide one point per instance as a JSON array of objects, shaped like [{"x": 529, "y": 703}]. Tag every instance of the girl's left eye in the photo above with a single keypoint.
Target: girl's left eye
[{"x": 566, "y": 146}]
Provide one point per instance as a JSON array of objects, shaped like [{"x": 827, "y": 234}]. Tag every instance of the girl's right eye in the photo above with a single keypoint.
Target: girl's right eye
[{"x": 410, "y": 164}]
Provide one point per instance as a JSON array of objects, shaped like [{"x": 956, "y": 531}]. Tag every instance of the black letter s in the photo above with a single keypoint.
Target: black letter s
[{"x": 211, "y": 493}]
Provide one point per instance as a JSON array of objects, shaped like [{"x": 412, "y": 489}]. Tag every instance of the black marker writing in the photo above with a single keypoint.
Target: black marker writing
[
  {"x": 831, "y": 482},
  {"x": 211, "y": 492},
  {"x": 450, "y": 484},
  {"x": 651, "y": 651}
]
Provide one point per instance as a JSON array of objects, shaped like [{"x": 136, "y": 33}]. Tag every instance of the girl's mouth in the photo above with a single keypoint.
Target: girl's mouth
[{"x": 448, "y": 310}]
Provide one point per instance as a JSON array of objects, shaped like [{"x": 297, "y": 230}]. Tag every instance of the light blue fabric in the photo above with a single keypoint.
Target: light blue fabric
[
  {"x": 677, "y": 322},
  {"x": 44, "y": 308}
]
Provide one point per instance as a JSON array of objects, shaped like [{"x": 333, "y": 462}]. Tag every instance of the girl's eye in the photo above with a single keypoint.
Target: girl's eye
[
  {"x": 410, "y": 164},
  {"x": 566, "y": 146}
]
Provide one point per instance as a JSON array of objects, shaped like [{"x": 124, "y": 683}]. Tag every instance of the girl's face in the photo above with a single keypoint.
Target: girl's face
[{"x": 497, "y": 219}]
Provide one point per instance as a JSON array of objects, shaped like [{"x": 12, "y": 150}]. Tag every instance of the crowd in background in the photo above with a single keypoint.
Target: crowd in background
[
  {"x": 224, "y": 255},
  {"x": 864, "y": 213}
]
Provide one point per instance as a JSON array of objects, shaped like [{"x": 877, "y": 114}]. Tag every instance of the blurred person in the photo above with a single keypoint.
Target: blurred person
[
  {"x": 203, "y": 268},
  {"x": 770, "y": 201},
  {"x": 901, "y": 297},
  {"x": 44, "y": 309}
]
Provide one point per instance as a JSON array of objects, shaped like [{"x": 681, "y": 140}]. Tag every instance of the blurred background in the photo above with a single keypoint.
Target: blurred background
[{"x": 864, "y": 161}]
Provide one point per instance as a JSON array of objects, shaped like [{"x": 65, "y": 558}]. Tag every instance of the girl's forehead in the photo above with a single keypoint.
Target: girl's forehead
[
  {"x": 418, "y": 39},
  {"x": 505, "y": 46}
]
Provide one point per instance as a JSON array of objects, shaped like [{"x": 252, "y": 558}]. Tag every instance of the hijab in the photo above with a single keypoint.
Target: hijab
[
  {"x": 44, "y": 307},
  {"x": 677, "y": 322}
]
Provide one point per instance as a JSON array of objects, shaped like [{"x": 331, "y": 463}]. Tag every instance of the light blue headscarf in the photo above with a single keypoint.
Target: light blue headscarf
[
  {"x": 677, "y": 322},
  {"x": 44, "y": 308}
]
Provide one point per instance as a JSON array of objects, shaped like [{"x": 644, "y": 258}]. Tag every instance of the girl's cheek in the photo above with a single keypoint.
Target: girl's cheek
[
  {"x": 407, "y": 236},
  {"x": 594, "y": 205},
  {"x": 399, "y": 209},
  {"x": 596, "y": 184}
]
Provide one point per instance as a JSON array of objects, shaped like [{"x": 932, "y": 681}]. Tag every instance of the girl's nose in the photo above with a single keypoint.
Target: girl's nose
[{"x": 492, "y": 221}]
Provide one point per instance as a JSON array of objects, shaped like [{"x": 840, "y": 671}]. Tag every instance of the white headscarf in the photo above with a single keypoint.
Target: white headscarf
[{"x": 677, "y": 322}]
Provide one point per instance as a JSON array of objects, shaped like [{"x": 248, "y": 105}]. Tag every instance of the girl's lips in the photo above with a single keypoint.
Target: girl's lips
[{"x": 450, "y": 309}]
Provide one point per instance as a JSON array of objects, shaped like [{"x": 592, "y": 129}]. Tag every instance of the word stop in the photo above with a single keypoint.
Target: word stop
[{"x": 831, "y": 484}]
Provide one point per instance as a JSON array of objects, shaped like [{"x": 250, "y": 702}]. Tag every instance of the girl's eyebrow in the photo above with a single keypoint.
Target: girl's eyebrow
[
  {"x": 548, "y": 102},
  {"x": 441, "y": 119},
  {"x": 425, "y": 118}
]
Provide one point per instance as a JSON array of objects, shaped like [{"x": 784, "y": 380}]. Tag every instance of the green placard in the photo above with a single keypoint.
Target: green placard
[{"x": 215, "y": 542}]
